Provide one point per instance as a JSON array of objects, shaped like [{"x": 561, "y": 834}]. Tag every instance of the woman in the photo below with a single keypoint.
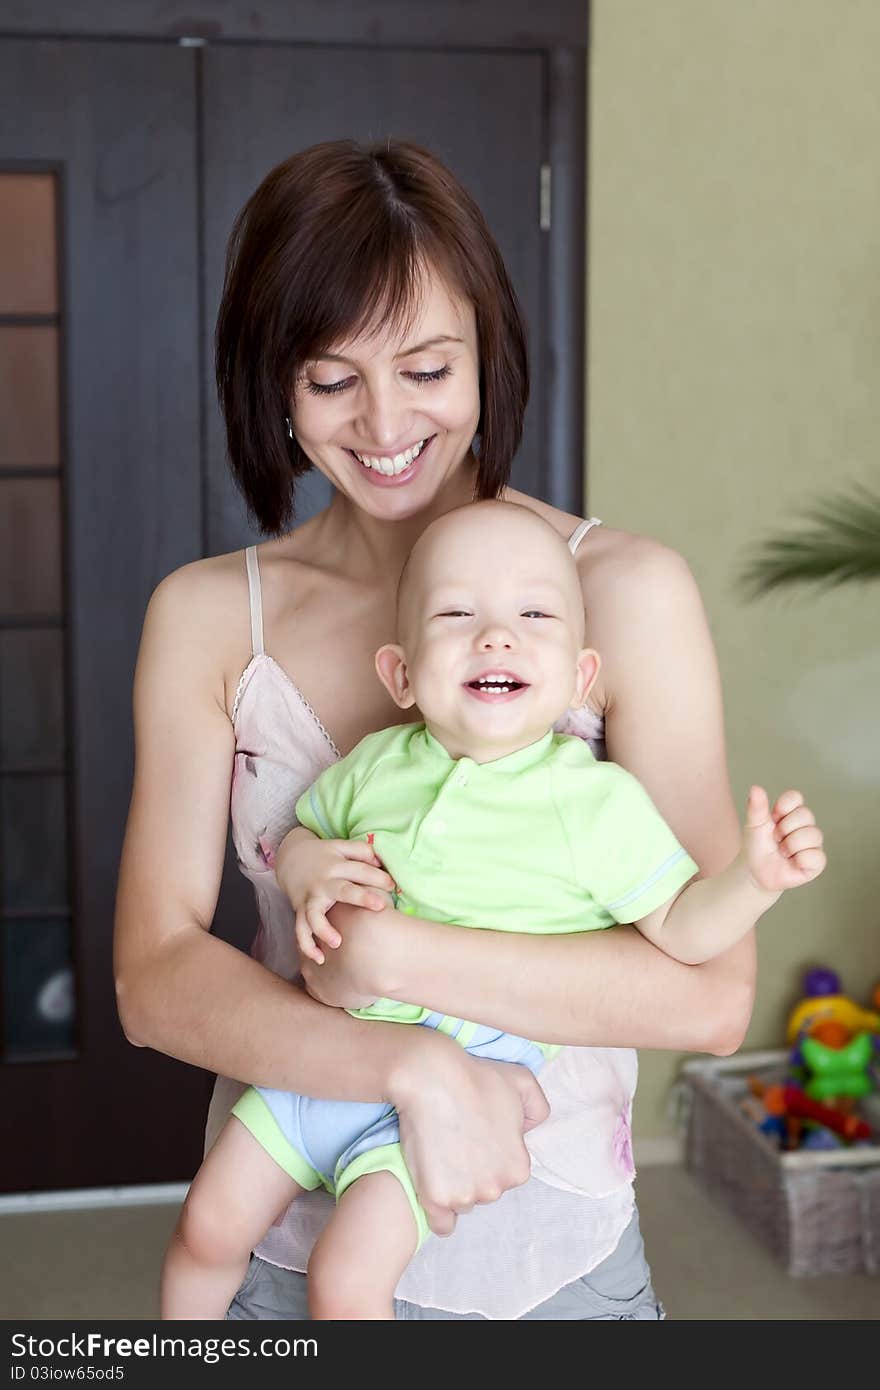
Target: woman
[{"x": 368, "y": 329}]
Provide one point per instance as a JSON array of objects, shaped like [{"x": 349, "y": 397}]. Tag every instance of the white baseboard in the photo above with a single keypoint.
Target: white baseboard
[
  {"x": 648, "y": 1153},
  {"x": 86, "y": 1198},
  {"x": 663, "y": 1148}
]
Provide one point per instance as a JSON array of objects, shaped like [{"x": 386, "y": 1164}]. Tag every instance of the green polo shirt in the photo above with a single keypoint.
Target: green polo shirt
[{"x": 545, "y": 840}]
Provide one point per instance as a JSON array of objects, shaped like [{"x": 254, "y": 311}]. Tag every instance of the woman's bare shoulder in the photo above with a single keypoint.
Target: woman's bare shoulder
[
  {"x": 610, "y": 561},
  {"x": 617, "y": 565},
  {"x": 199, "y": 617}
]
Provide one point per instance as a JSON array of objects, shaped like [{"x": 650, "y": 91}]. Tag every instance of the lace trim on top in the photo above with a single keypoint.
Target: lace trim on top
[{"x": 242, "y": 686}]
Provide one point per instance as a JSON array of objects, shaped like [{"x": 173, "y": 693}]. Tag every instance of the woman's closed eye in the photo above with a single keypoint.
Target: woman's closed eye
[{"x": 319, "y": 388}]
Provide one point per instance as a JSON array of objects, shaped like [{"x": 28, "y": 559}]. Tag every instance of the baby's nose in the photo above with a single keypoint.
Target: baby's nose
[{"x": 495, "y": 635}]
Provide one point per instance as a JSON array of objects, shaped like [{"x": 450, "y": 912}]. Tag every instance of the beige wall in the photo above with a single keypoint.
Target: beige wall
[{"x": 734, "y": 373}]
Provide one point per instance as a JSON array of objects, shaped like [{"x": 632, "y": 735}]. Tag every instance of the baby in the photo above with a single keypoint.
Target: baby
[{"x": 483, "y": 816}]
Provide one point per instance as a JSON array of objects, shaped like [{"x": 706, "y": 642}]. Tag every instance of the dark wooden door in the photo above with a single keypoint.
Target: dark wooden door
[{"x": 99, "y": 498}]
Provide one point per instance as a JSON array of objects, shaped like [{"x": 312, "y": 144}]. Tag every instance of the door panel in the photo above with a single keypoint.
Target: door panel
[
  {"x": 108, "y": 131},
  {"x": 481, "y": 113}
]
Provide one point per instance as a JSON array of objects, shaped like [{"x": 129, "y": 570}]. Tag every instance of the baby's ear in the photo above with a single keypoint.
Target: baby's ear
[
  {"x": 391, "y": 670},
  {"x": 588, "y": 664}
]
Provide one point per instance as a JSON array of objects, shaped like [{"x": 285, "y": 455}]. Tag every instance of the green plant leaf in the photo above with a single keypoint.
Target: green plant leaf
[{"x": 839, "y": 544}]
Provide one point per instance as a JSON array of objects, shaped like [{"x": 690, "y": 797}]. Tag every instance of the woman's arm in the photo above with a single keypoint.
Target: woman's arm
[
  {"x": 192, "y": 996},
  {"x": 664, "y": 723},
  {"x": 181, "y": 990}
]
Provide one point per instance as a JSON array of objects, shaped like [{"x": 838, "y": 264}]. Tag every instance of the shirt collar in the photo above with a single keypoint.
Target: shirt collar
[{"x": 511, "y": 762}]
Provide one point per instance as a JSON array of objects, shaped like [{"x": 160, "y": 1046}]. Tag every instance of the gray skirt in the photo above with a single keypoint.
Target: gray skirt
[{"x": 617, "y": 1290}]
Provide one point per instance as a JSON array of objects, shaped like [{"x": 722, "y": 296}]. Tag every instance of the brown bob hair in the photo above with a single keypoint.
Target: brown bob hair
[{"x": 333, "y": 242}]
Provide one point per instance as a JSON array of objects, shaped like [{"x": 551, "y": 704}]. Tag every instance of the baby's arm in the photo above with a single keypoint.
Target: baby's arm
[
  {"x": 319, "y": 873},
  {"x": 781, "y": 848}
]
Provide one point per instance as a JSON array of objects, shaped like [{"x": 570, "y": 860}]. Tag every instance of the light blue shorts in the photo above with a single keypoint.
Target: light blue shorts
[{"x": 331, "y": 1143}]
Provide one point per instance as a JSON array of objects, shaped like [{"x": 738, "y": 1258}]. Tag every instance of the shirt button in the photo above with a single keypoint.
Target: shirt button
[{"x": 461, "y": 779}]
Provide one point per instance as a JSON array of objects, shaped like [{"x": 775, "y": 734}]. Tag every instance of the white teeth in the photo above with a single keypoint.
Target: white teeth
[{"x": 389, "y": 466}]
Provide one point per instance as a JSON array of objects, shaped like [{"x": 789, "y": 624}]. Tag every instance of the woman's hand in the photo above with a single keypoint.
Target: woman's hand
[{"x": 462, "y": 1122}]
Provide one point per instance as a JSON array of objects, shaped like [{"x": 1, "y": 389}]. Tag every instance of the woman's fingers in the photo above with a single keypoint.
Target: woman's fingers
[{"x": 440, "y": 1219}]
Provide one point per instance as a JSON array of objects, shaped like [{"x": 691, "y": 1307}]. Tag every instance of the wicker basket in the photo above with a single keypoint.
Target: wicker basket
[{"x": 817, "y": 1212}]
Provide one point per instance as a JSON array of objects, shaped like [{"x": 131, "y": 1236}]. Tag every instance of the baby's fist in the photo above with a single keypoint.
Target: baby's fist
[{"x": 782, "y": 844}]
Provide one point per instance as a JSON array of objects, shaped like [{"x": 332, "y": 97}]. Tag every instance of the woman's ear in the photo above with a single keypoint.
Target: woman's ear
[
  {"x": 391, "y": 670},
  {"x": 587, "y": 670}
]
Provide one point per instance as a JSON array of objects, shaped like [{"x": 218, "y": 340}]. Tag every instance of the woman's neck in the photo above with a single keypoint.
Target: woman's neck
[{"x": 374, "y": 546}]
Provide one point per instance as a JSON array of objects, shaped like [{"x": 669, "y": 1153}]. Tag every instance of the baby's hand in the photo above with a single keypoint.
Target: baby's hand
[
  {"x": 335, "y": 871},
  {"x": 782, "y": 847}
]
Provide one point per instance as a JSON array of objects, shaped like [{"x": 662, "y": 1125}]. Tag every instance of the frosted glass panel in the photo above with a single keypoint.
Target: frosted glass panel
[
  {"x": 33, "y": 839},
  {"x": 29, "y": 397},
  {"x": 38, "y": 998},
  {"x": 31, "y": 698},
  {"x": 28, "y": 255},
  {"x": 30, "y": 547}
]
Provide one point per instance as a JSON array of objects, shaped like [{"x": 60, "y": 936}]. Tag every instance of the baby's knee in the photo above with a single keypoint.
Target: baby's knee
[
  {"x": 338, "y": 1289},
  {"x": 205, "y": 1231}
]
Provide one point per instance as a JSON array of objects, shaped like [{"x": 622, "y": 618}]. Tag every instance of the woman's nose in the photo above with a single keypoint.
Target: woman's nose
[{"x": 385, "y": 419}]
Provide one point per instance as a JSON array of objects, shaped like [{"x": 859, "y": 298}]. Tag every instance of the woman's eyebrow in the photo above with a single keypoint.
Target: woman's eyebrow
[
  {"x": 407, "y": 352},
  {"x": 429, "y": 342}
]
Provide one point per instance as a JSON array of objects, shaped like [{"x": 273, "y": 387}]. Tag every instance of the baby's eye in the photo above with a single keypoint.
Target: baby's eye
[
  {"x": 535, "y": 613},
  {"x": 454, "y": 613}
]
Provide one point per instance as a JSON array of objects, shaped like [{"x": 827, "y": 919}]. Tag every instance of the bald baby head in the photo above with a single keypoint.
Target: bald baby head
[
  {"x": 483, "y": 541},
  {"x": 490, "y": 631}
]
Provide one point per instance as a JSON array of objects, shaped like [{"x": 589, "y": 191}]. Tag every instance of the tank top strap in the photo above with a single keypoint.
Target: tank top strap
[
  {"x": 581, "y": 530},
  {"x": 256, "y": 599}
]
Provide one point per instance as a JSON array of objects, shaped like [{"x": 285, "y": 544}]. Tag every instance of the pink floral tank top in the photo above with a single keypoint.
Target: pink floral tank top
[{"x": 505, "y": 1258}]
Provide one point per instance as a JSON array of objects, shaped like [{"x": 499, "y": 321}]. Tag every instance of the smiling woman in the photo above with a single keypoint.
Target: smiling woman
[
  {"x": 367, "y": 325},
  {"x": 414, "y": 345}
]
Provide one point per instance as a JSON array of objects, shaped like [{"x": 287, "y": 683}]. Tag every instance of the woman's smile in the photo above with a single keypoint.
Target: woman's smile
[{"x": 392, "y": 470}]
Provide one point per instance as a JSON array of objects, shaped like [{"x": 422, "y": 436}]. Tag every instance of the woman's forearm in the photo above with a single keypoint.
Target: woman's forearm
[
  {"x": 605, "y": 988},
  {"x": 204, "y": 1002}
]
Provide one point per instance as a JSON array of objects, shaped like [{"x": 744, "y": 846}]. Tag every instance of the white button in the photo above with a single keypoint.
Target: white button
[
  {"x": 439, "y": 827},
  {"x": 461, "y": 779}
]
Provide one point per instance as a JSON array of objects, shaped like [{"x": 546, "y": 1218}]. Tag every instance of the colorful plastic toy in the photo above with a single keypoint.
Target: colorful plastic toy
[
  {"x": 836, "y": 1071},
  {"x": 823, "y": 1001},
  {"x": 791, "y": 1100}
]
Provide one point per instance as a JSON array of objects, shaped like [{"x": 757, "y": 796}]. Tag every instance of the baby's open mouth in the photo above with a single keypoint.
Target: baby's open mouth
[{"x": 496, "y": 683}]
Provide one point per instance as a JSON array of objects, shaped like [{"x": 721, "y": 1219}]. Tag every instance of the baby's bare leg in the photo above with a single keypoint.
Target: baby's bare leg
[
  {"x": 235, "y": 1196},
  {"x": 362, "y": 1252}
]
